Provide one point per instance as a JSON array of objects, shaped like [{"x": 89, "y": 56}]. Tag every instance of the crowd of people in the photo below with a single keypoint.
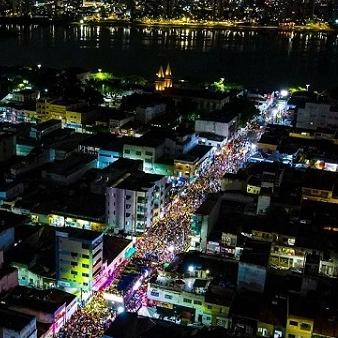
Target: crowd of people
[
  {"x": 90, "y": 321},
  {"x": 171, "y": 235}
]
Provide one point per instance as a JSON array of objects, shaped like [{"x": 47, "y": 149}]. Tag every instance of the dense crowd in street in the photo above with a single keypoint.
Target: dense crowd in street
[
  {"x": 163, "y": 241},
  {"x": 171, "y": 234}
]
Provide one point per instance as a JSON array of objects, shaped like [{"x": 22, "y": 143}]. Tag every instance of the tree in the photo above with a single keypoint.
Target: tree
[{"x": 245, "y": 109}]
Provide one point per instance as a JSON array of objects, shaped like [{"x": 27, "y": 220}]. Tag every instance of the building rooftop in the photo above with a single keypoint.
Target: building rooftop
[
  {"x": 206, "y": 207},
  {"x": 46, "y": 124},
  {"x": 113, "y": 246},
  {"x": 139, "y": 181},
  {"x": 144, "y": 141},
  {"x": 8, "y": 220},
  {"x": 14, "y": 320},
  {"x": 47, "y": 301},
  {"x": 130, "y": 325},
  {"x": 256, "y": 252},
  {"x": 218, "y": 267},
  {"x": 79, "y": 234},
  {"x": 69, "y": 165},
  {"x": 221, "y": 292},
  {"x": 211, "y": 136},
  {"x": 247, "y": 304},
  {"x": 125, "y": 164},
  {"x": 320, "y": 180},
  {"x": 218, "y": 116}
]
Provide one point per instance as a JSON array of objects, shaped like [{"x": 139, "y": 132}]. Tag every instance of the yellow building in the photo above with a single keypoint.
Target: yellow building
[
  {"x": 47, "y": 109},
  {"x": 319, "y": 186},
  {"x": 299, "y": 323},
  {"x": 299, "y": 327}
]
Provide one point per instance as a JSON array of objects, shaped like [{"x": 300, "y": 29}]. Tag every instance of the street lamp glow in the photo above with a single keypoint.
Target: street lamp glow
[
  {"x": 120, "y": 309},
  {"x": 39, "y": 66},
  {"x": 284, "y": 92},
  {"x": 191, "y": 268},
  {"x": 307, "y": 87}
]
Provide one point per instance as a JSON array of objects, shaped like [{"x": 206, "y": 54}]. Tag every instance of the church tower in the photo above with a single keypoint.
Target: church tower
[
  {"x": 163, "y": 79},
  {"x": 167, "y": 77},
  {"x": 160, "y": 81}
]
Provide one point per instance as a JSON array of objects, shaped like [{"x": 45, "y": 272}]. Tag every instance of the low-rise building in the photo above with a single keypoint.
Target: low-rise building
[
  {"x": 218, "y": 123},
  {"x": 16, "y": 324},
  {"x": 187, "y": 166},
  {"x": 51, "y": 308},
  {"x": 70, "y": 169}
]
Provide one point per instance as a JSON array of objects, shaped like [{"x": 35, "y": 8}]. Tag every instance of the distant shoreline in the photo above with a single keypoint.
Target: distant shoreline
[
  {"x": 305, "y": 29},
  {"x": 136, "y": 23}
]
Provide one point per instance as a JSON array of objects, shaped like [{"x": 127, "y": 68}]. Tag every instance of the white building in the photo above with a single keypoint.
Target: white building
[
  {"x": 144, "y": 149},
  {"x": 220, "y": 124},
  {"x": 135, "y": 202},
  {"x": 145, "y": 114},
  {"x": 316, "y": 115}
]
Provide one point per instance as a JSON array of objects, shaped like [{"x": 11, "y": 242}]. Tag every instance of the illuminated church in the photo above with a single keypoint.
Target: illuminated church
[{"x": 163, "y": 79}]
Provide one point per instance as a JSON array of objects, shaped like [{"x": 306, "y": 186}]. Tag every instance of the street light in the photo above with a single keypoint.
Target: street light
[{"x": 307, "y": 87}]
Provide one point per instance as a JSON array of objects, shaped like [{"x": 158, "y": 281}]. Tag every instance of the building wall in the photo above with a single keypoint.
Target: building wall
[
  {"x": 7, "y": 146},
  {"x": 149, "y": 155},
  {"x": 107, "y": 157},
  {"x": 210, "y": 313},
  {"x": 29, "y": 331},
  {"x": 135, "y": 211},
  {"x": 314, "y": 115},
  {"x": 6, "y": 239},
  {"x": 299, "y": 326},
  {"x": 251, "y": 277},
  {"x": 75, "y": 261},
  {"x": 217, "y": 128},
  {"x": 146, "y": 114},
  {"x": 65, "y": 179},
  {"x": 9, "y": 281},
  {"x": 176, "y": 297}
]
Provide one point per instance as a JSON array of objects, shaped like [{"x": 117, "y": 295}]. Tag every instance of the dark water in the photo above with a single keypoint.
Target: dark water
[{"x": 267, "y": 59}]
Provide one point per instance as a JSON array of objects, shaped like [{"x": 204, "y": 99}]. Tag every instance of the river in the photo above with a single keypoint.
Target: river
[{"x": 265, "y": 59}]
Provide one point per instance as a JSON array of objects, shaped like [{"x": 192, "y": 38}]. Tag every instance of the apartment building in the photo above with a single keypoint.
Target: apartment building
[
  {"x": 135, "y": 202},
  {"x": 47, "y": 109},
  {"x": 79, "y": 256}
]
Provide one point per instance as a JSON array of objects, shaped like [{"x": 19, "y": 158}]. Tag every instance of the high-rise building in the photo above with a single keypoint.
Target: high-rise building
[
  {"x": 136, "y": 202},
  {"x": 78, "y": 258}
]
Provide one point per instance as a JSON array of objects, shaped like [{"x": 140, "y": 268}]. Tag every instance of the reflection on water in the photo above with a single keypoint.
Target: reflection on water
[{"x": 253, "y": 57}]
